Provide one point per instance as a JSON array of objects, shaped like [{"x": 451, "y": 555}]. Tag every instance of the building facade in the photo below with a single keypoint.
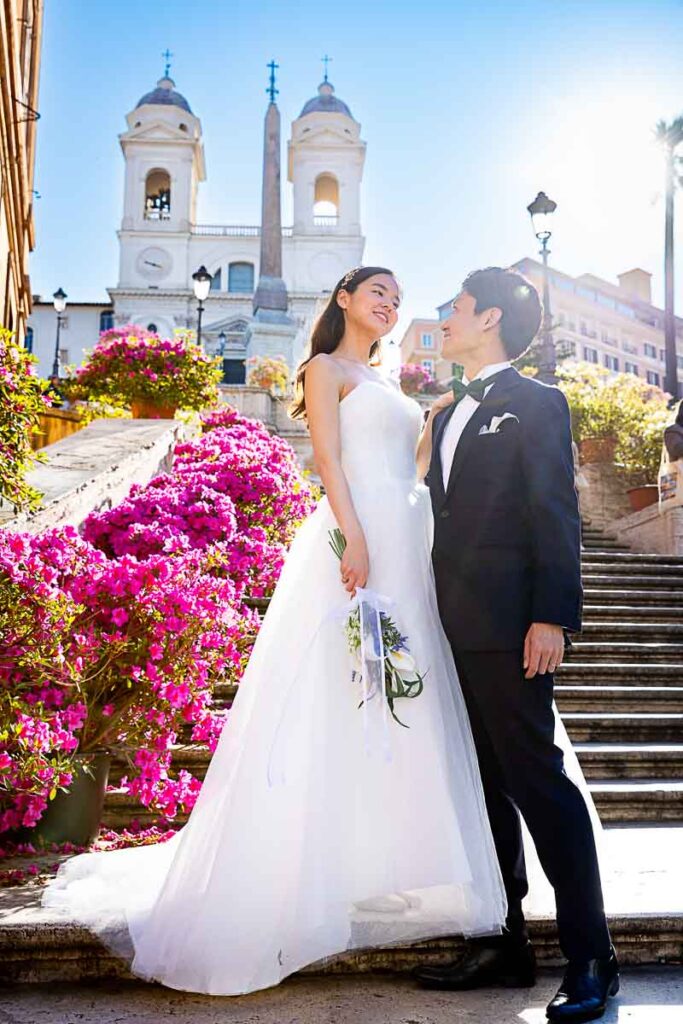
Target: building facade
[
  {"x": 615, "y": 326},
  {"x": 161, "y": 243},
  {"x": 421, "y": 344},
  {"x": 20, "y": 39},
  {"x": 80, "y": 326}
]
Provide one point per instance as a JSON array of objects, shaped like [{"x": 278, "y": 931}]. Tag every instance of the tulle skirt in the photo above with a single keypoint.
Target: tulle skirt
[{"x": 309, "y": 836}]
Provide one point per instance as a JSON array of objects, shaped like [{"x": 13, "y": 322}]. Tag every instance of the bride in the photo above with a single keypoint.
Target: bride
[{"x": 313, "y": 835}]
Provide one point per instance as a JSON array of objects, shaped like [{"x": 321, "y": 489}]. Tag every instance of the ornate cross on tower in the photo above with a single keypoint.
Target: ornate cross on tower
[
  {"x": 167, "y": 61},
  {"x": 326, "y": 60},
  {"x": 271, "y": 90}
]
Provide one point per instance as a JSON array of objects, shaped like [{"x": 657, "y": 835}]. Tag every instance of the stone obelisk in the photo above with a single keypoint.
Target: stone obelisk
[
  {"x": 271, "y": 331},
  {"x": 271, "y": 293}
]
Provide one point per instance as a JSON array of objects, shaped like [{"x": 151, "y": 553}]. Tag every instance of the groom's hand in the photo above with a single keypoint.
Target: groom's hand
[{"x": 543, "y": 649}]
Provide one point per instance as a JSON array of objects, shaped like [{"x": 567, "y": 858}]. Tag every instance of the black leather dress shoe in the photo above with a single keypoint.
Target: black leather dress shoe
[
  {"x": 510, "y": 964},
  {"x": 585, "y": 989}
]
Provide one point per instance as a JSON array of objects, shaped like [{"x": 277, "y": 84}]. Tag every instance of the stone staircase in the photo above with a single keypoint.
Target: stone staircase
[{"x": 620, "y": 692}]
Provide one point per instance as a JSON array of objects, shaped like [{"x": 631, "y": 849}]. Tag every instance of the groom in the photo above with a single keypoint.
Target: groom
[{"x": 508, "y": 576}]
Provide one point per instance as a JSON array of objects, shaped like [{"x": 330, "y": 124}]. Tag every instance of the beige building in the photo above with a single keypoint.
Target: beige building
[
  {"x": 421, "y": 344},
  {"x": 20, "y": 37},
  {"x": 611, "y": 325}
]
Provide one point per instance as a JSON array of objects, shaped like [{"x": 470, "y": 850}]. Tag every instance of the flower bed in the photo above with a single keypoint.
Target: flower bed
[
  {"x": 115, "y": 640},
  {"x": 130, "y": 365}
]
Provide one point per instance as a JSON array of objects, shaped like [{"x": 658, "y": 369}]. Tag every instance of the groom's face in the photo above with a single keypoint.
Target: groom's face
[{"x": 463, "y": 331}]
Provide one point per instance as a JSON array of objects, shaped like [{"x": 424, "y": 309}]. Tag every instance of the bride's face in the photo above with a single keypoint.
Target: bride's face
[{"x": 373, "y": 307}]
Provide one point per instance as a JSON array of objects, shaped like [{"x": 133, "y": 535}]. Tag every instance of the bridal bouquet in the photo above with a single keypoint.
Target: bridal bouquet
[{"x": 376, "y": 644}]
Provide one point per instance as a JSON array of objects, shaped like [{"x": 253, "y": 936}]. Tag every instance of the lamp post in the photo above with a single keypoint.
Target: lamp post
[
  {"x": 202, "y": 286},
  {"x": 541, "y": 210},
  {"x": 59, "y": 302}
]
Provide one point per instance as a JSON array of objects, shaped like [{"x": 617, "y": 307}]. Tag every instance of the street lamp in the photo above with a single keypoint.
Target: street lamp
[
  {"x": 202, "y": 286},
  {"x": 59, "y": 302},
  {"x": 541, "y": 211}
]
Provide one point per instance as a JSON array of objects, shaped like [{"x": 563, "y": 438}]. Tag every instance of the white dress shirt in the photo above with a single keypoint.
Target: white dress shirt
[{"x": 463, "y": 413}]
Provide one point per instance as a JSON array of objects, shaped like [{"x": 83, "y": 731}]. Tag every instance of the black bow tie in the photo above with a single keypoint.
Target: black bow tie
[{"x": 475, "y": 389}]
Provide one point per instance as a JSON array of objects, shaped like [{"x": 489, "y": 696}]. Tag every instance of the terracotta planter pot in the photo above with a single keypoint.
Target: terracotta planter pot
[
  {"x": 597, "y": 449},
  {"x": 642, "y": 497},
  {"x": 75, "y": 816},
  {"x": 146, "y": 409}
]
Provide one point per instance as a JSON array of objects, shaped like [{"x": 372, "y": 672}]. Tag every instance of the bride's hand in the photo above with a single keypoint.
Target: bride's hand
[
  {"x": 355, "y": 564},
  {"x": 441, "y": 402}
]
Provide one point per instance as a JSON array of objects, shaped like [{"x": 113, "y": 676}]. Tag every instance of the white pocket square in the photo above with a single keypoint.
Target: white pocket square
[{"x": 494, "y": 425}]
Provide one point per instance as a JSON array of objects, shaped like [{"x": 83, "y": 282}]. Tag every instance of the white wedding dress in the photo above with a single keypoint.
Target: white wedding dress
[{"x": 313, "y": 835}]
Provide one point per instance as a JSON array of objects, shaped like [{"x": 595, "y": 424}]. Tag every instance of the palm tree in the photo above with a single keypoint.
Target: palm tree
[{"x": 670, "y": 136}]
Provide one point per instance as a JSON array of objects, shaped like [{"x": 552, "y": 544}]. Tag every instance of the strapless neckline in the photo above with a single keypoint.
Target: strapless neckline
[{"x": 371, "y": 383}]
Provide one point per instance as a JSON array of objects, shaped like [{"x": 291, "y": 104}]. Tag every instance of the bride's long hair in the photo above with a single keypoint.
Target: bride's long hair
[{"x": 328, "y": 331}]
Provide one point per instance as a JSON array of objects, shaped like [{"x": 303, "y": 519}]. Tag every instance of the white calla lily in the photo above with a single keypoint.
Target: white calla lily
[{"x": 403, "y": 662}]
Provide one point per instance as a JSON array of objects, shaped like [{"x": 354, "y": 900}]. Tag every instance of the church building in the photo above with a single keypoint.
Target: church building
[{"x": 161, "y": 244}]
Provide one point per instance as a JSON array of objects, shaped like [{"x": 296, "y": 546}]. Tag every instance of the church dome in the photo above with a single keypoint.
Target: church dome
[
  {"x": 326, "y": 102},
  {"x": 165, "y": 95}
]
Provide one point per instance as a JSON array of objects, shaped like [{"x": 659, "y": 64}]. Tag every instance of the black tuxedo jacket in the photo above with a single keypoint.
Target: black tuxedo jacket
[{"x": 507, "y": 535}]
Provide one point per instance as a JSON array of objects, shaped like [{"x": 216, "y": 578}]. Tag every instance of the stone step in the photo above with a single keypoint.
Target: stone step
[
  {"x": 661, "y": 652},
  {"x": 606, "y": 631},
  {"x": 596, "y": 611},
  {"x": 620, "y": 699},
  {"x": 38, "y": 949},
  {"x": 606, "y": 761},
  {"x": 618, "y": 802},
  {"x": 606, "y": 546},
  {"x": 622, "y": 673},
  {"x": 645, "y": 800},
  {"x": 606, "y": 581},
  {"x": 585, "y": 727},
  {"x": 618, "y": 569},
  {"x": 634, "y": 558},
  {"x": 633, "y": 597},
  {"x": 598, "y": 760}
]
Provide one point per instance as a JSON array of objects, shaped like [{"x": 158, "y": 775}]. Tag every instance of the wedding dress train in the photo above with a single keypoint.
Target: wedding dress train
[{"x": 312, "y": 835}]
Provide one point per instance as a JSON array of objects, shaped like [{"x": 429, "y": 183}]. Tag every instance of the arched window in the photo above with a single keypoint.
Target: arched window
[
  {"x": 217, "y": 281},
  {"x": 106, "y": 320},
  {"x": 326, "y": 200},
  {"x": 158, "y": 196},
  {"x": 28, "y": 340},
  {"x": 241, "y": 277}
]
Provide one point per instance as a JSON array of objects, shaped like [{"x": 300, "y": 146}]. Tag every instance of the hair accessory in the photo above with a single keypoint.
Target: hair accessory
[{"x": 347, "y": 277}]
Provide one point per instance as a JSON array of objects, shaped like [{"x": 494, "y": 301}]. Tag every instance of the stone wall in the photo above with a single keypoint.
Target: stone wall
[
  {"x": 602, "y": 495},
  {"x": 651, "y": 531},
  {"x": 96, "y": 468}
]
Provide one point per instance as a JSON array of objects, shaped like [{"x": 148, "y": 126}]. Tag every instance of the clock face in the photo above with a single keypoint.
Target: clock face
[{"x": 154, "y": 263}]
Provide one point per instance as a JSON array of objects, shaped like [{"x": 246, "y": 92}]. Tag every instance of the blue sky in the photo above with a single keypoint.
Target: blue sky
[{"x": 468, "y": 110}]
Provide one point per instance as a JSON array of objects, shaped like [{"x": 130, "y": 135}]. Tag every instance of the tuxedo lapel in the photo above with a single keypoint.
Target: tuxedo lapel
[
  {"x": 495, "y": 400},
  {"x": 436, "y": 477}
]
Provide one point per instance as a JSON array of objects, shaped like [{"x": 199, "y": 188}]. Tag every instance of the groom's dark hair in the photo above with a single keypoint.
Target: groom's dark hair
[{"x": 515, "y": 297}]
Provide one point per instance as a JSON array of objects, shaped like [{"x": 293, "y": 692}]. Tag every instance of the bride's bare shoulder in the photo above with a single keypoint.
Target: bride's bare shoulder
[{"x": 323, "y": 373}]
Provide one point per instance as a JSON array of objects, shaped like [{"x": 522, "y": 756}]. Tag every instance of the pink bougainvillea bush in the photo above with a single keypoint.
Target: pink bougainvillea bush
[
  {"x": 115, "y": 640},
  {"x": 237, "y": 486},
  {"x": 131, "y": 364},
  {"x": 108, "y": 654}
]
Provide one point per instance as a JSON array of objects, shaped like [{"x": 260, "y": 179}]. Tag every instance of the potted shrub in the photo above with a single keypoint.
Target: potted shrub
[
  {"x": 618, "y": 419},
  {"x": 415, "y": 379},
  {"x": 154, "y": 376},
  {"x": 271, "y": 373},
  {"x": 594, "y": 413}
]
